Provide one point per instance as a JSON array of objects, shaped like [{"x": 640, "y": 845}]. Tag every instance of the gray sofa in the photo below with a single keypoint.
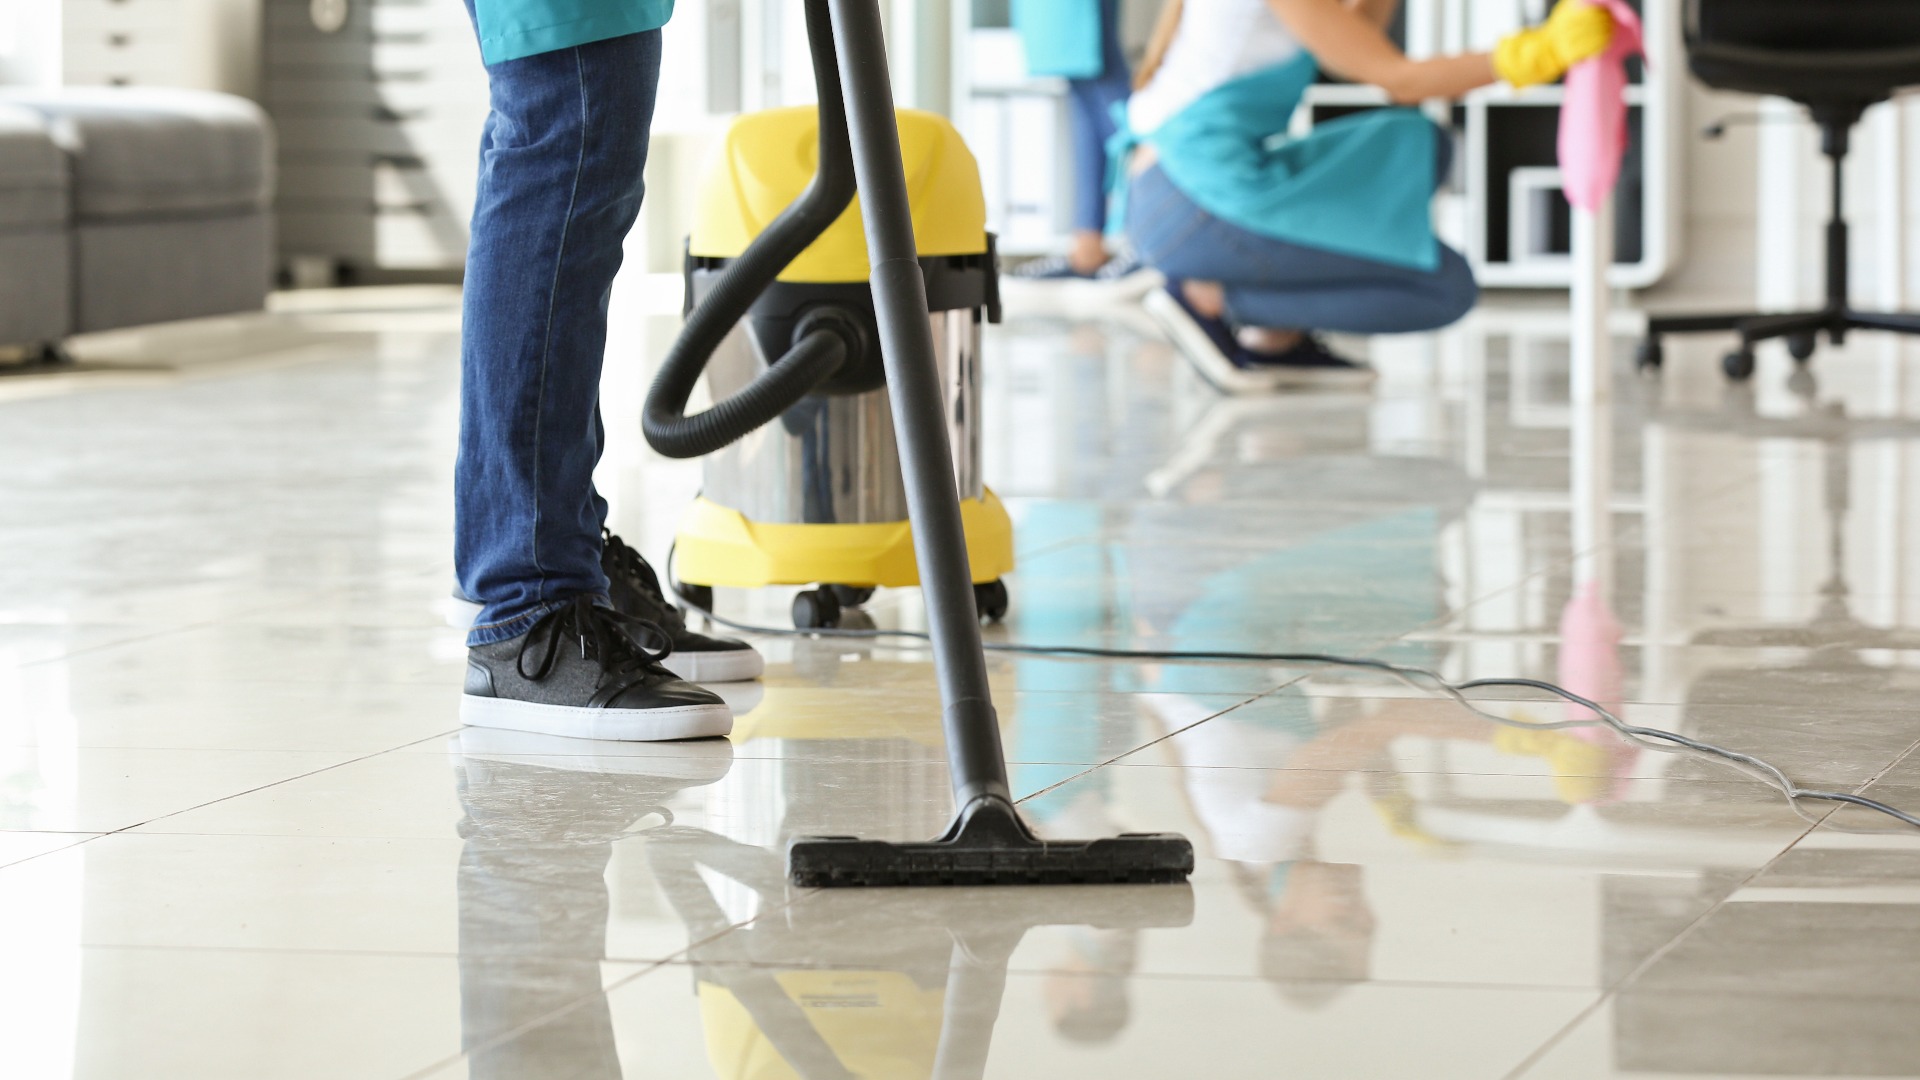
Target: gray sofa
[{"x": 121, "y": 207}]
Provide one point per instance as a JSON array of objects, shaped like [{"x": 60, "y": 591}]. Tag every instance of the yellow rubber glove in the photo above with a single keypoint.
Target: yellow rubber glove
[
  {"x": 1575, "y": 31},
  {"x": 1580, "y": 769}
]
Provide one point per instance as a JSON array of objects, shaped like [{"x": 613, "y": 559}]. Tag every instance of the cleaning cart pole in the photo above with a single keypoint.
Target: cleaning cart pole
[{"x": 919, "y": 420}]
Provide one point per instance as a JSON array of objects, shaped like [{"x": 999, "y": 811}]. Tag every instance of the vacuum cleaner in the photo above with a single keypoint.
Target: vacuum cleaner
[
  {"x": 819, "y": 496},
  {"x": 821, "y": 342}
]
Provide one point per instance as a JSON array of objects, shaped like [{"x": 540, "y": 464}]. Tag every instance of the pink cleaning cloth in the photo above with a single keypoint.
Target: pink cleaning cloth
[{"x": 1593, "y": 115}]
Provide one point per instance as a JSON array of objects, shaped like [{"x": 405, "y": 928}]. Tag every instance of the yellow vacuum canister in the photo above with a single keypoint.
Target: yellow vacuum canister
[{"x": 816, "y": 498}]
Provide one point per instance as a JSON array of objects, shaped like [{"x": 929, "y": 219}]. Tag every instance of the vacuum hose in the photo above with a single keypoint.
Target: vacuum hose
[{"x": 824, "y": 338}]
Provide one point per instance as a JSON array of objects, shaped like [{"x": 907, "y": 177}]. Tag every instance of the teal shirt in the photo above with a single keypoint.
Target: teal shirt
[
  {"x": 1061, "y": 37},
  {"x": 1358, "y": 185},
  {"x": 511, "y": 29}
]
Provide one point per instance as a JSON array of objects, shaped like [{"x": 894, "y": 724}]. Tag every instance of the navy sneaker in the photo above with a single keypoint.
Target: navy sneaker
[
  {"x": 1206, "y": 342},
  {"x": 1209, "y": 345},
  {"x": 1308, "y": 364},
  {"x": 1049, "y": 268}
]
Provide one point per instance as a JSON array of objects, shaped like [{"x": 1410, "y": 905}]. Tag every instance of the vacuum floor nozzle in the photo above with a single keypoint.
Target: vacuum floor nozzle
[{"x": 989, "y": 845}]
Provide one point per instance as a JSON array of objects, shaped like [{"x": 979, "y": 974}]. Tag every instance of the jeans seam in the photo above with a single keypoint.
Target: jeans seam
[
  {"x": 553, "y": 293},
  {"x": 515, "y": 626},
  {"x": 539, "y": 611}
]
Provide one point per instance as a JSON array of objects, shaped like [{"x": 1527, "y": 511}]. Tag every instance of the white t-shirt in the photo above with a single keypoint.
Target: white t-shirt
[
  {"x": 1230, "y": 799},
  {"x": 1216, "y": 41}
]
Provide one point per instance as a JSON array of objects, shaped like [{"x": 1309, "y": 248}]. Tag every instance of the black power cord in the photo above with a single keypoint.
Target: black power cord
[
  {"x": 1718, "y": 128},
  {"x": 1417, "y": 677}
]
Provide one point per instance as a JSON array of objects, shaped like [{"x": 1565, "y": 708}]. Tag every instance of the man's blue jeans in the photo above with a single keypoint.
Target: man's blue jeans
[
  {"x": 1272, "y": 283},
  {"x": 560, "y": 186}
]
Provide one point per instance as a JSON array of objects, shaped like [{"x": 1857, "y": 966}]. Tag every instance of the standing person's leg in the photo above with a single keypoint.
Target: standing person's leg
[
  {"x": 560, "y": 186},
  {"x": 1093, "y": 101}
]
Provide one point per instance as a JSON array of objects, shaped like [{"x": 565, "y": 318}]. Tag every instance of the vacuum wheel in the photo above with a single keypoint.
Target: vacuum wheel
[
  {"x": 1738, "y": 364},
  {"x": 851, "y": 595},
  {"x": 990, "y": 599},
  {"x": 816, "y": 609},
  {"x": 1651, "y": 355}
]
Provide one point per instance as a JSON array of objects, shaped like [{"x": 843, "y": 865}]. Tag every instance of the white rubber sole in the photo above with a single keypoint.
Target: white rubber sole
[
  {"x": 727, "y": 665},
  {"x": 1191, "y": 341},
  {"x": 616, "y": 725},
  {"x": 1076, "y": 297},
  {"x": 703, "y": 762}
]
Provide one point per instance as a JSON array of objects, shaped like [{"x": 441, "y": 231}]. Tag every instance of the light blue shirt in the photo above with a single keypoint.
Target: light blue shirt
[{"x": 511, "y": 29}]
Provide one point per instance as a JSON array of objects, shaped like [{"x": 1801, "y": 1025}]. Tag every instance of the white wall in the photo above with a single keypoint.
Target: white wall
[
  {"x": 1756, "y": 205},
  {"x": 29, "y": 42}
]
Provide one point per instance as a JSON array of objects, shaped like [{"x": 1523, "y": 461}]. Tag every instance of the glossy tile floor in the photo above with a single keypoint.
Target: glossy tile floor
[{"x": 244, "y": 837}]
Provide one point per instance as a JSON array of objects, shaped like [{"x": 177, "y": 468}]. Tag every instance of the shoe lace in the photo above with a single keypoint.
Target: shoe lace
[
  {"x": 615, "y": 640},
  {"x": 633, "y": 566}
]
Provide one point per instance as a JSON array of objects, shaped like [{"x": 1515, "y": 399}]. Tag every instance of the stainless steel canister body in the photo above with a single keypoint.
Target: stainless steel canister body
[{"x": 832, "y": 459}]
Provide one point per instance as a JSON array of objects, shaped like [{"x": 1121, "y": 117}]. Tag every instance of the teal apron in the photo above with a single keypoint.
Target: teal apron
[
  {"x": 511, "y": 29},
  {"x": 1359, "y": 185},
  {"x": 1062, "y": 37}
]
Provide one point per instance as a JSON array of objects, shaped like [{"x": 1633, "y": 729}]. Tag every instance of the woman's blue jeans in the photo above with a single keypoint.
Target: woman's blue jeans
[
  {"x": 560, "y": 186},
  {"x": 1273, "y": 283}
]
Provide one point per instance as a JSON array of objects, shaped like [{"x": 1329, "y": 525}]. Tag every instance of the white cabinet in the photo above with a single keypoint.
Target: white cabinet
[
  {"x": 379, "y": 106},
  {"x": 139, "y": 43}
]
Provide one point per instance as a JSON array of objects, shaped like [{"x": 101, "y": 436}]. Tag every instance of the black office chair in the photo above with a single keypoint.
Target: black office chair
[{"x": 1836, "y": 57}]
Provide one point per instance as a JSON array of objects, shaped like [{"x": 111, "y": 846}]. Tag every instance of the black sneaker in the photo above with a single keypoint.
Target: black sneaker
[
  {"x": 586, "y": 672},
  {"x": 1307, "y": 364},
  {"x": 635, "y": 590}
]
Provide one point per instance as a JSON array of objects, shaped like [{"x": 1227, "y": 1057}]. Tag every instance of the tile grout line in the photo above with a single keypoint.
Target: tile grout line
[
  {"x": 252, "y": 791},
  {"x": 1608, "y": 993},
  {"x": 1611, "y": 549},
  {"x": 1157, "y": 740},
  {"x": 232, "y": 618},
  {"x": 562, "y": 1010}
]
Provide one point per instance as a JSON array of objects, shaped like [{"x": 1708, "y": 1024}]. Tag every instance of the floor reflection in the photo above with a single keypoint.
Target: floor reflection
[
  {"x": 234, "y": 699},
  {"x": 541, "y": 818}
]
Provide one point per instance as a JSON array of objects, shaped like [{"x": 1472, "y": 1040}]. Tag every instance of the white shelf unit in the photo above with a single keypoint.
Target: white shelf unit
[
  {"x": 1504, "y": 136},
  {"x": 379, "y": 124}
]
